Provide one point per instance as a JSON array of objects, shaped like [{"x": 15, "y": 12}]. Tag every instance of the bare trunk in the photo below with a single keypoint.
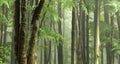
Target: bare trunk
[
  {"x": 118, "y": 22},
  {"x": 73, "y": 38},
  {"x": 16, "y": 29},
  {"x": 60, "y": 46},
  {"x": 80, "y": 44},
  {"x": 87, "y": 38},
  {"x": 112, "y": 37},
  {"x": 97, "y": 34}
]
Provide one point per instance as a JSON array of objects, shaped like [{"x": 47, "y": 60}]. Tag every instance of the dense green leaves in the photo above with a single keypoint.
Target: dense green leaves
[
  {"x": 113, "y": 6},
  {"x": 47, "y": 33},
  {"x": 5, "y": 54},
  {"x": 6, "y": 2}
]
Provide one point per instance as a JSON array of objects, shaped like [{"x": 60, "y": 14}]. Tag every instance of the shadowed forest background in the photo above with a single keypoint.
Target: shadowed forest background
[{"x": 59, "y": 31}]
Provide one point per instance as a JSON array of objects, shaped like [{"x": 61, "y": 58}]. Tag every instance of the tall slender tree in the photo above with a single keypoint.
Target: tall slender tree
[
  {"x": 112, "y": 42},
  {"x": 73, "y": 37},
  {"x": 96, "y": 33},
  {"x": 16, "y": 28},
  {"x": 107, "y": 20},
  {"x": 79, "y": 44},
  {"x": 118, "y": 22},
  {"x": 60, "y": 46},
  {"x": 87, "y": 34}
]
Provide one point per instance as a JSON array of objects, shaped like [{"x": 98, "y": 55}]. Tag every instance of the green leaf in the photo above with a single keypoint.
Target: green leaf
[
  {"x": 47, "y": 33},
  {"x": 5, "y": 3}
]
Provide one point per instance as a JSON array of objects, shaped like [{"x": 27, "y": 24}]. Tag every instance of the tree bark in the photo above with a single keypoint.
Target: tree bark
[
  {"x": 23, "y": 33},
  {"x": 107, "y": 20},
  {"x": 80, "y": 45},
  {"x": 118, "y": 22},
  {"x": 16, "y": 29},
  {"x": 60, "y": 46},
  {"x": 97, "y": 34},
  {"x": 34, "y": 32},
  {"x": 106, "y": 14},
  {"x": 73, "y": 38},
  {"x": 45, "y": 52},
  {"x": 112, "y": 38},
  {"x": 20, "y": 33},
  {"x": 87, "y": 36}
]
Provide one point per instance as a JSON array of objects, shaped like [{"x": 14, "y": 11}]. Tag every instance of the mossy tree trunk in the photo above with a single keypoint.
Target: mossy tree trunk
[
  {"x": 34, "y": 33},
  {"x": 20, "y": 31}
]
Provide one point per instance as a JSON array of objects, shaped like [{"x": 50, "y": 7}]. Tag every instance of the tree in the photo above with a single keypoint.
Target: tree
[
  {"x": 59, "y": 32},
  {"x": 118, "y": 22},
  {"x": 60, "y": 47},
  {"x": 20, "y": 33},
  {"x": 79, "y": 44},
  {"x": 34, "y": 32},
  {"x": 73, "y": 37},
  {"x": 16, "y": 29},
  {"x": 106, "y": 19},
  {"x": 97, "y": 34},
  {"x": 112, "y": 42}
]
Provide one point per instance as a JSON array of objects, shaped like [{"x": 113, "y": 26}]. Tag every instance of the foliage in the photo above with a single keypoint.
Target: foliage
[
  {"x": 4, "y": 53},
  {"x": 67, "y": 4},
  {"x": 5, "y": 2},
  {"x": 113, "y": 6},
  {"x": 47, "y": 33}
]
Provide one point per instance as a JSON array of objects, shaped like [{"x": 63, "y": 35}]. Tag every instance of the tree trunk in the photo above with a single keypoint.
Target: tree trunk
[
  {"x": 112, "y": 37},
  {"x": 20, "y": 33},
  {"x": 97, "y": 34},
  {"x": 102, "y": 54},
  {"x": 16, "y": 29},
  {"x": 106, "y": 13},
  {"x": 60, "y": 47},
  {"x": 55, "y": 55},
  {"x": 83, "y": 37},
  {"x": 80, "y": 45},
  {"x": 34, "y": 33},
  {"x": 87, "y": 36},
  {"x": 49, "y": 54},
  {"x": 73, "y": 38},
  {"x": 118, "y": 22},
  {"x": 107, "y": 20},
  {"x": 45, "y": 52}
]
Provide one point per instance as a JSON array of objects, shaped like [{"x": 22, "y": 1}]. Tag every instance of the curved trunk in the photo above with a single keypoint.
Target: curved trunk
[{"x": 34, "y": 33}]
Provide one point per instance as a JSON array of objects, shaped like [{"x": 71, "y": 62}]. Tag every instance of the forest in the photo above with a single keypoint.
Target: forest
[{"x": 59, "y": 31}]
